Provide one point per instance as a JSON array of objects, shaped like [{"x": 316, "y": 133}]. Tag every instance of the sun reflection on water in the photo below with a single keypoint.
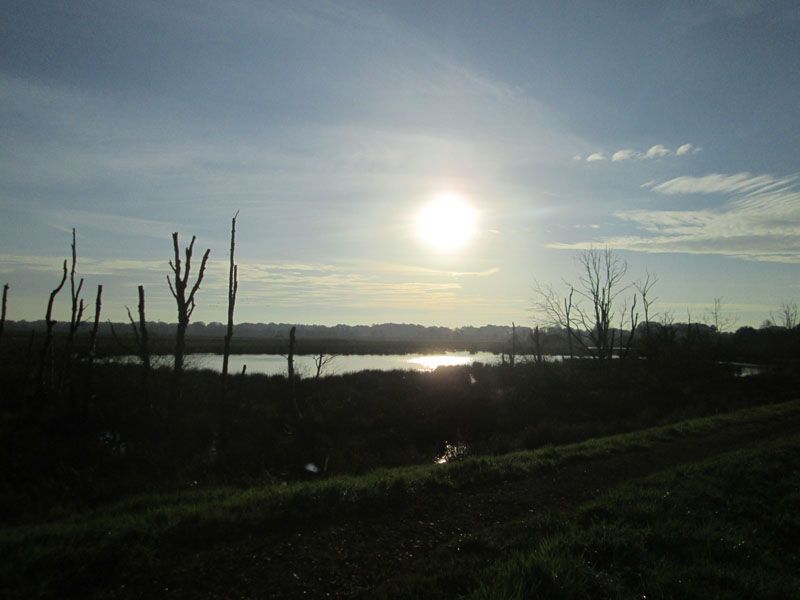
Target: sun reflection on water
[{"x": 430, "y": 363}]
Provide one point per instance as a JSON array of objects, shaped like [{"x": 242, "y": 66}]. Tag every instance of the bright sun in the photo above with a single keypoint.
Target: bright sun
[{"x": 447, "y": 222}]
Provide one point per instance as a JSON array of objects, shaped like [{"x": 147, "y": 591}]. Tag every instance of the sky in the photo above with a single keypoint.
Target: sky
[{"x": 664, "y": 130}]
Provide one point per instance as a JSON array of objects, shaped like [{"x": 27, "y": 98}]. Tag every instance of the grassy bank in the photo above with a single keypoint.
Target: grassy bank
[
  {"x": 723, "y": 528},
  {"x": 116, "y": 543}
]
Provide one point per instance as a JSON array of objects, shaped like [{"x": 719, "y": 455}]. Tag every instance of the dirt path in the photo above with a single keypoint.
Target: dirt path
[{"x": 350, "y": 557}]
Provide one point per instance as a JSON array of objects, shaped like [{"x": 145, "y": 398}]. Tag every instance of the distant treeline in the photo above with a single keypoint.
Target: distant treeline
[
  {"x": 765, "y": 344},
  {"x": 311, "y": 339}
]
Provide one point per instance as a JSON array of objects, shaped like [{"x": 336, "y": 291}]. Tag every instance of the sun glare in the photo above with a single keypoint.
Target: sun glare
[{"x": 447, "y": 222}]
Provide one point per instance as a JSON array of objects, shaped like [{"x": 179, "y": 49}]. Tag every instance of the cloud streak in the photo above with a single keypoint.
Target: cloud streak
[
  {"x": 354, "y": 284},
  {"x": 760, "y": 222},
  {"x": 718, "y": 183}
]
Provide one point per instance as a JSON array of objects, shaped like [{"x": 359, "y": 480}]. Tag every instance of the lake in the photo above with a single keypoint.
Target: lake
[{"x": 275, "y": 364}]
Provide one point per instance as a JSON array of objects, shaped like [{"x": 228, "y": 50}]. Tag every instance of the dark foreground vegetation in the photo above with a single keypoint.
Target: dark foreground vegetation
[
  {"x": 717, "y": 517},
  {"x": 136, "y": 480},
  {"x": 79, "y": 449}
]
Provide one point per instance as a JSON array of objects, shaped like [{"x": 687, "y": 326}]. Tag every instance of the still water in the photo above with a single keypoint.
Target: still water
[{"x": 275, "y": 364}]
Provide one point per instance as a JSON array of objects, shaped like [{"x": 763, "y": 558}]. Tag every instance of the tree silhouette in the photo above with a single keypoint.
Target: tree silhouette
[
  {"x": 233, "y": 288},
  {"x": 186, "y": 305},
  {"x": 593, "y": 304}
]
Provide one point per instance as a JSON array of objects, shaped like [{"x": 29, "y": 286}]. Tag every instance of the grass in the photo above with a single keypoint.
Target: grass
[
  {"x": 723, "y": 528},
  {"x": 91, "y": 545}
]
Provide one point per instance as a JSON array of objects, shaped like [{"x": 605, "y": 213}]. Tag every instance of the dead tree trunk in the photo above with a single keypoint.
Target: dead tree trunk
[
  {"x": 568, "y": 320},
  {"x": 76, "y": 314},
  {"x": 644, "y": 287},
  {"x": 3, "y": 310},
  {"x": 186, "y": 305},
  {"x": 536, "y": 339},
  {"x": 91, "y": 354},
  {"x": 513, "y": 355},
  {"x": 45, "y": 355},
  {"x": 633, "y": 318},
  {"x": 233, "y": 287},
  {"x": 143, "y": 351},
  {"x": 290, "y": 368}
]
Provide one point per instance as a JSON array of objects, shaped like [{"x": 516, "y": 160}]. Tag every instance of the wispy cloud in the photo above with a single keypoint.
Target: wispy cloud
[
  {"x": 353, "y": 284},
  {"x": 761, "y": 222},
  {"x": 10, "y": 263},
  {"x": 595, "y": 157},
  {"x": 718, "y": 183},
  {"x": 64, "y": 220},
  {"x": 387, "y": 267}
]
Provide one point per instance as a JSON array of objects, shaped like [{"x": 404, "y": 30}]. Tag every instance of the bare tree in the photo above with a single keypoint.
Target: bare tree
[
  {"x": 290, "y": 369},
  {"x": 92, "y": 352},
  {"x": 233, "y": 288},
  {"x": 321, "y": 361},
  {"x": 76, "y": 316},
  {"x": 98, "y": 305},
  {"x": 3, "y": 310},
  {"x": 290, "y": 356},
  {"x": 567, "y": 303},
  {"x": 593, "y": 303},
  {"x": 76, "y": 313},
  {"x": 559, "y": 311},
  {"x": 186, "y": 305},
  {"x": 628, "y": 322},
  {"x": 141, "y": 339},
  {"x": 536, "y": 340},
  {"x": 45, "y": 357},
  {"x": 601, "y": 285},
  {"x": 786, "y": 315},
  {"x": 718, "y": 318},
  {"x": 645, "y": 287},
  {"x": 513, "y": 355}
]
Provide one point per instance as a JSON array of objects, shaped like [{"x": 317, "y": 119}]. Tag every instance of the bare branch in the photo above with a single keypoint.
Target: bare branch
[
  {"x": 54, "y": 293},
  {"x": 185, "y": 306},
  {"x": 199, "y": 276},
  {"x": 171, "y": 289},
  {"x": 133, "y": 328}
]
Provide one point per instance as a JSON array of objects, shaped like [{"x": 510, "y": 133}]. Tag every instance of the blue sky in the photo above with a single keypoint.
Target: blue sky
[{"x": 666, "y": 130}]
